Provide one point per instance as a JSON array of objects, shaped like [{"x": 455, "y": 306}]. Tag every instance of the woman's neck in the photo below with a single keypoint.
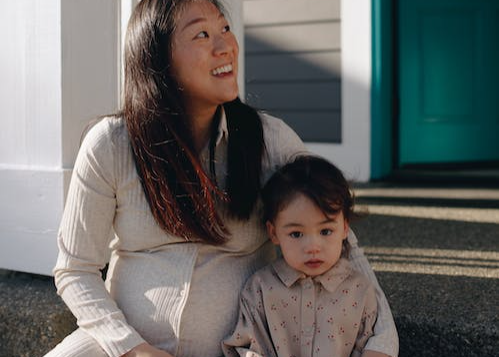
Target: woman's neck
[{"x": 201, "y": 124}]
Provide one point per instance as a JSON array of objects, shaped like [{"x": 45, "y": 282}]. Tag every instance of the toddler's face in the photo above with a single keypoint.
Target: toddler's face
[{"x": 310, "y": 241}]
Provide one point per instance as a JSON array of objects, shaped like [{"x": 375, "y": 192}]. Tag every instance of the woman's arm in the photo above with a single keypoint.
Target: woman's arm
[
  {"x": 83, "y": 240},
  {"x": 385, "y": 338}
]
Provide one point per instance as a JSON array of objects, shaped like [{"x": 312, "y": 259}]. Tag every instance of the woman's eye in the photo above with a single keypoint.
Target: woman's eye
[
  {"x": 226, "y": 28},
  {"x": 326, "y": 232},
  {"x": 202, "y": 34},
  {"x": 296, "y": 234}
]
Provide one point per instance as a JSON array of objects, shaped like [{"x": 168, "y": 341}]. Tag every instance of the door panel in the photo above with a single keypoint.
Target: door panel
[{"x": 448, "y": 81}]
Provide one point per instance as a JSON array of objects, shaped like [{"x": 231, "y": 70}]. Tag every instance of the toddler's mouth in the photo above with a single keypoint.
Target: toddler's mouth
[{"x": 313, "y": 263}]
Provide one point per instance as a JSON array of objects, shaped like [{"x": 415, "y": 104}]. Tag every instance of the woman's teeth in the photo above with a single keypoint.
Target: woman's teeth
[{"x": 223, "y": 69}]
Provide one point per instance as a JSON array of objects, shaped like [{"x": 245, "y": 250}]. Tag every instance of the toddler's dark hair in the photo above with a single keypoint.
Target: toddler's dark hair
[{"x": 317, "y": 179}]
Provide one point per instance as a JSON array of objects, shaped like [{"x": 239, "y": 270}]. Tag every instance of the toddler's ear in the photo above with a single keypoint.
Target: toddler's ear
[
  {"x": 347, "y": 228},
  {"x": 271, "y": 232}
]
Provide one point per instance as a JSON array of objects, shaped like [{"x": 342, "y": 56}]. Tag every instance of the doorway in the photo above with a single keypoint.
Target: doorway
[{"x": 435, "y": 84}]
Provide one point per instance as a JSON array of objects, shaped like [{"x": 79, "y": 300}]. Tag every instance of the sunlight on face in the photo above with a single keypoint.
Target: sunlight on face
[{"x": 204, "y": 57}]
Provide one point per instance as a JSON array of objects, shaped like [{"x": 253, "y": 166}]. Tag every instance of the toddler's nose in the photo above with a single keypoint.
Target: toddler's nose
[{"x": 313, "y": 246}]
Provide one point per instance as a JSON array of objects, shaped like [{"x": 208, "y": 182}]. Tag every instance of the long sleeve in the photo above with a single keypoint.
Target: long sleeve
[
  {"x": 251, "y": 337},
  {"x": 83, "y": 241},
  {"x": 369, "y": 316},
  {"x": 385, "y": 338}
]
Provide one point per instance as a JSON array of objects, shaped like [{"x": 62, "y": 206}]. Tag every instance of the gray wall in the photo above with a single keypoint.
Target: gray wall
[{"x": 293, "y": 64}]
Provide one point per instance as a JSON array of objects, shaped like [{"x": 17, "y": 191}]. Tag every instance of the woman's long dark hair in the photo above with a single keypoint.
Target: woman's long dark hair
[{"x": 181, "y": 195}]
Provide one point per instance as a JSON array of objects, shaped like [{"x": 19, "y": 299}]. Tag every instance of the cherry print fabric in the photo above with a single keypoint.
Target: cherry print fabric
[{"x": 283, "y": 313}]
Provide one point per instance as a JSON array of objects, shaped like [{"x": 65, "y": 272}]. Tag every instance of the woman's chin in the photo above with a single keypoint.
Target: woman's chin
[{"x": 230, "y": 97}]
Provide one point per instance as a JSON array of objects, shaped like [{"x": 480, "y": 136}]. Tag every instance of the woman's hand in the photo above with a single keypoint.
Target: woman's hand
[
  {"x": 368, "y": 353},
  {"x": 146, "y": 350}
]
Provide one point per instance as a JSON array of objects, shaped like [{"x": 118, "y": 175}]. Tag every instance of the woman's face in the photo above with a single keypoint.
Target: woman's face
[{"x": 204, "y": 57}]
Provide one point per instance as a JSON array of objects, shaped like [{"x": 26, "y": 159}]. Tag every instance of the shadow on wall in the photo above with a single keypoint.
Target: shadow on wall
[{"x": 297, "y": 81}]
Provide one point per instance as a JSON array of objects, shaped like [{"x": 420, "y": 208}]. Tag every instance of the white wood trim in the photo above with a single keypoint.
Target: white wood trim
[
  {"x": 30, "y": 93},
  {"x": 31, "y": 204},
  {"x": 125, "y": 9},
  {"x": 353, "y": 155},
  {"x": 90, "y": 67},
  {"x": 60, "y": 70}
]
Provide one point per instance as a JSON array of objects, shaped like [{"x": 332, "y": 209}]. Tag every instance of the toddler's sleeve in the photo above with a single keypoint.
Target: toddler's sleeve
[
  {"x": 366, "y": 326},
  {"x": 251, "y": 337},
  {"x": 385, "y": 337}
]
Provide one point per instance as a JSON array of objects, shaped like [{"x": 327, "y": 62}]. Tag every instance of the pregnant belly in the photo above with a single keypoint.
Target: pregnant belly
[
  {"x": 184, "y": 301},
  {"x": 151, "y": 290},
  {"x": 212, "y": 307}
]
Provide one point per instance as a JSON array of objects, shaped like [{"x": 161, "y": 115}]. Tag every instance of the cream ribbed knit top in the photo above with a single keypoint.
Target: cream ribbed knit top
[{"x": 179, "y": 296}]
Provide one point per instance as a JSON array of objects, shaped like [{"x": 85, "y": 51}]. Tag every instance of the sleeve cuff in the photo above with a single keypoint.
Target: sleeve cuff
[
  {"x": 389, "y": 348},
  {"x": 115, "y": 337}
]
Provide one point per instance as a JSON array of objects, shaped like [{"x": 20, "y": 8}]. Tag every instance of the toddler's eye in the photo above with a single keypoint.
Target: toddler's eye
[
  {"x": 202, "y": 34},
  {"x": 326, "y": 232},
  {"x": 296, "y": 234},
  {"x": 226, "y": 29}
]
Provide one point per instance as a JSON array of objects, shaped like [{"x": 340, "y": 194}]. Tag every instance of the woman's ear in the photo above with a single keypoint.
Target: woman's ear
[{"x": 271, "y": 232}]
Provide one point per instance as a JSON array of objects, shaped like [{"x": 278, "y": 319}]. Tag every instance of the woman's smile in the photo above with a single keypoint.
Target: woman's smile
[{"x": 223, "y": 71}]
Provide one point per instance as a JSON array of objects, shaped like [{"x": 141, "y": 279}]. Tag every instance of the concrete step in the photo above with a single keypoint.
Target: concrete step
[
  {"x": 435, "y": 250},
  {"x": 33, "y": 318}
]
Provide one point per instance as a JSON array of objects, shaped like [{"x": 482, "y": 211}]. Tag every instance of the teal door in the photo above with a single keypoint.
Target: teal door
[{"x": 448, "y": 55}]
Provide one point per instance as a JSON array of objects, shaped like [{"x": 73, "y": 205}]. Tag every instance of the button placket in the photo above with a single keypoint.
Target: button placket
[{"x": 307, "y": 316}]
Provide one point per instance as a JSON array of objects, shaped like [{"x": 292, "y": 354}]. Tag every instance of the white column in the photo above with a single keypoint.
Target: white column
[
  {"x": 58, "y": 70},
  {"x": 353, "y": 155}
]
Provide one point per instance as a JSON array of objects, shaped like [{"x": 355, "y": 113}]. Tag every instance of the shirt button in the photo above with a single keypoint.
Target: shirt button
[
  {"x": 308, "y": 330},
  {"x": 308, "y": 285}
]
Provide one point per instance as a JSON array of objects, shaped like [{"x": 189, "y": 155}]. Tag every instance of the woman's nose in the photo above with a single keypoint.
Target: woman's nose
[{"x": 222, "y": 46}]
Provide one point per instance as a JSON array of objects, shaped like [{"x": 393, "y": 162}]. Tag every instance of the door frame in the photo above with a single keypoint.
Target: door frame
[{"x": 384, "y": 108}]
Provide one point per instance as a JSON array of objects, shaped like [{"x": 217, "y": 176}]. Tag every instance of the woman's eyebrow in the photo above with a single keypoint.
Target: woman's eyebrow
[
  {"x": 198, "y": 20},
  {"x": 193, "y": 22}
]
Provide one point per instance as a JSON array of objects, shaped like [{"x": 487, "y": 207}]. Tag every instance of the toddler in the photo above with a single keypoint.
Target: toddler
[{"x": 310, "y": 302}]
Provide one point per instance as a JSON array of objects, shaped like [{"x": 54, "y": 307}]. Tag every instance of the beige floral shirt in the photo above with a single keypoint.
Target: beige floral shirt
[{"x": 283, "y": 313}]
